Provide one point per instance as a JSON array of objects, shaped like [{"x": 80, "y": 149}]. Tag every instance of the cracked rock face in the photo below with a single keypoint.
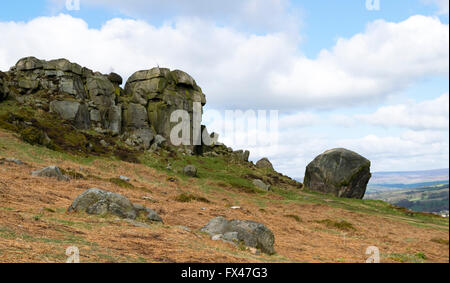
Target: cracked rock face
[
  {"x": 340, "y": 172},
  {"x": 162, "y": 92}
]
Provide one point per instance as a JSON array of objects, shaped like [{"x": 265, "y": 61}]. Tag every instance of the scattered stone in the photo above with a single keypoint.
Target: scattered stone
[
  {"x": 184, "y": 228},
  {"x": 51, "y": 172},
  {"x": 217, "y": 237},
  {"x": 99, "y": 202},
  {"x": 104, "y": 143},
  {"x": 251, "y": 233},
  {"x": 147, "y": 198},
  {"x": 340, "y": 172},
  {"x": 12, "y": 160},
  {"x": 124, "y": 178},
  {"x": 137, "y": 223},
  {"x": 150, "y": 215},
  {"x": 260, "y": 184},
  {"x": 264, "y": 163},
  {"x": 190, "y": 171}
]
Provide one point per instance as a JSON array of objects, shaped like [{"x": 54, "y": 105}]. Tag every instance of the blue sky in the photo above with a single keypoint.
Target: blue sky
[{"x": 373, "y": 81}]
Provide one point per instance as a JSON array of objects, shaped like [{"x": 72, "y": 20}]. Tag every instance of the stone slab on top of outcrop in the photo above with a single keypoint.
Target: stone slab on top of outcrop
[{"x": 340, "y": 172}]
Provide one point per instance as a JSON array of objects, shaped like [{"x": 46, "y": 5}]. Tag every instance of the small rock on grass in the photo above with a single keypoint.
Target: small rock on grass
[{"x": 51, "y": 172}]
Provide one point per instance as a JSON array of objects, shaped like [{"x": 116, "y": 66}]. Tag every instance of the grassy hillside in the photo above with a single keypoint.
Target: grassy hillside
[{"x": 35, "y": 225}]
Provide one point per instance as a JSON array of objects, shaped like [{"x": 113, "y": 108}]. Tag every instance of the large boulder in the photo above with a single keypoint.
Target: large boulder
[
  {"x": 162, "y": 92},
  {"x": 99, "y": 202},
  {"x": 264, "y": 163},
  {"x": 340, "y": 172},
  {"x": 250, "y": 233}
]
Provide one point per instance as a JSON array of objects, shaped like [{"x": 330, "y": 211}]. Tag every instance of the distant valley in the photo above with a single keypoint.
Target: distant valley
[{"x": 424, "y": 191}]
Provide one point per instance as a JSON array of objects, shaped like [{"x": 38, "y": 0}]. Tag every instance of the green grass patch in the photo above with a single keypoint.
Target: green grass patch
[
  {"x": 190, "y": 197},
  {"x": 121, "y": 183},
  {"x": 341, "y": 225},
  {"x": 407, "y": 258}
]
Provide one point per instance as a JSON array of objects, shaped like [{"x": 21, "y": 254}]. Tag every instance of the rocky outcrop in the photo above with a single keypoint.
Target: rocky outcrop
[
  {"x": 250, "y": 233},
  {"x": 51, "y": 172},
  {"x": 340, "y": 172},
  {"x": 99, "y": 202},
  {"x": 242, "y": 155},
  {"x": 264, "y": 163},
  {"x": 91, "y": 100},
  {"x": 3, "y": 92},
  {"x": 159, "y": 92}
]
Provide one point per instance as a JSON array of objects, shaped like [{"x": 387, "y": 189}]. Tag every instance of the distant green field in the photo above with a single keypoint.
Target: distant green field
[{"x": 431, "y": 198}]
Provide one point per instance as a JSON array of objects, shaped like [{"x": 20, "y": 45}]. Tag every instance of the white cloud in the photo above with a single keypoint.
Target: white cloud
[
  {"x": 240, "y": 70},
  {"x": 259, "y": 15},
  {"x": 386, "y": 58},
  {"x": 430, "y": 114},
  {"x": 267, "y": 71}
]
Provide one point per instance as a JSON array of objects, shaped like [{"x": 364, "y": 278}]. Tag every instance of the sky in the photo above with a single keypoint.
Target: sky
[{"x": 370, "y": 76}]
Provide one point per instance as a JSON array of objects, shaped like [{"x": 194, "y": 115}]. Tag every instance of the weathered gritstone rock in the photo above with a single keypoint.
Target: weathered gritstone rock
[
  {"x": 99, "y": 202},
  {"x": 264, "y": 163},
  {"x": 190, "y": 171},
  {"x": 260, "y": 184},
  {"x": 252, "y": 234},
  {"x": 163, "y": 92},
  {"x": 242, "y": 155},
  {"x": 340, "y": 172},
  {"x": 3, "y": 92},
  {"x": 139, "y": 115},
  {"x": 12, "y": 160},
  {"x": 51, "y": 172}
]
